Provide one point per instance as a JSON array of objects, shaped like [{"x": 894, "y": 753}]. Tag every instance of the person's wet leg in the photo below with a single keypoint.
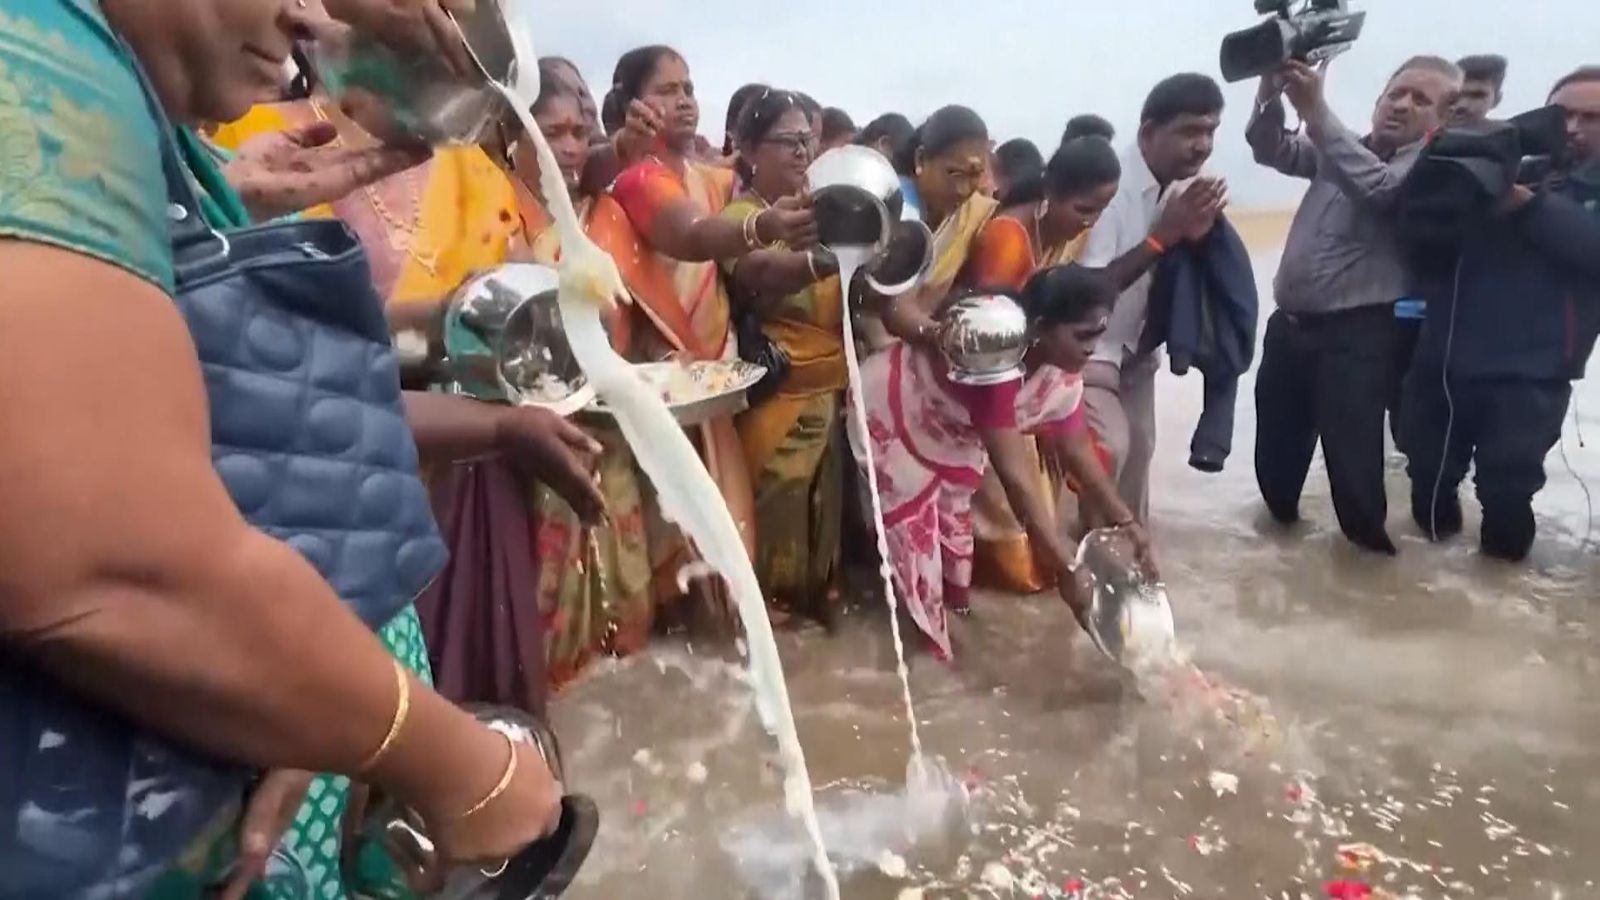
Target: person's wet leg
[
  {"x": 1102, "y": 402},
  {"x": 1286, "y": 425},
  {"x": 1355, "y": 381},
  {"x": 956, "y": 546},
  {"x": 1523, "y": 423},
  {"x": 1139, "y": 405},
  {"x": 1438, "y": 448}
]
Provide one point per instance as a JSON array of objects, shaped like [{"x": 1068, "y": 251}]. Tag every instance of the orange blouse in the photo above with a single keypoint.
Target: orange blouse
[{"x": 1001, "y": 257}]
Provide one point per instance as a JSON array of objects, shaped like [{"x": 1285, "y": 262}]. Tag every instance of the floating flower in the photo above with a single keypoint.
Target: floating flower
[{"x": 1347, "y": 890}]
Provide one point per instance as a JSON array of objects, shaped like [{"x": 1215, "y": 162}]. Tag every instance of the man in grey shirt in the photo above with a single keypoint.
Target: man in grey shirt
[{"x": 1332, "y": 356}]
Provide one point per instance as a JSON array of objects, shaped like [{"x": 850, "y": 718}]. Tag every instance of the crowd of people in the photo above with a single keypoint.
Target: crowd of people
[{"x": 258, "y": 535}]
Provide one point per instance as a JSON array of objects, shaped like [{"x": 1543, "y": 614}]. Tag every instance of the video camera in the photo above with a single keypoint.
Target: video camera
[
  {"x": 1312, "y": 32},
  {"x": 1462, "y": 173}
]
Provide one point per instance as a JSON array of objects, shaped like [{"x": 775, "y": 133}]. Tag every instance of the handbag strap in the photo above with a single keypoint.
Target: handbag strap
[{"x": 194, "y": 242}]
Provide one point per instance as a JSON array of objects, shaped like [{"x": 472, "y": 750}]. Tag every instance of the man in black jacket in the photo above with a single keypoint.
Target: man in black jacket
[{"x": 1513, "y": 311}]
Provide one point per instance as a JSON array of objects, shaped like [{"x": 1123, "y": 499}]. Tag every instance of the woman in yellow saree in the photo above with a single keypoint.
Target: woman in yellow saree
[
  {"x": 789, "y": 435},
  {"x": 1050, "y": 215},
  {"x": 942, "y": 167},
  {"x": 425, "y": 229},
  {"x": 673, "y": 203}
]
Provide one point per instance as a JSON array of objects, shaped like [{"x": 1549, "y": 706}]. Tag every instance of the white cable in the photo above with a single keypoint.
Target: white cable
[
  {"x": 1449, "y": 401},
  {"x": 1588, "y": 499}
]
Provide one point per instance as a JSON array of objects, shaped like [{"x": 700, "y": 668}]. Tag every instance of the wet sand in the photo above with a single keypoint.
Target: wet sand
[{"x": 1440, "y": 708}]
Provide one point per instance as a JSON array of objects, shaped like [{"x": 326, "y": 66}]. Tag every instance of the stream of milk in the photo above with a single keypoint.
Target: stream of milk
[
  {"x": 851, "y": 259},
  {"x": 685, "y": 490}
]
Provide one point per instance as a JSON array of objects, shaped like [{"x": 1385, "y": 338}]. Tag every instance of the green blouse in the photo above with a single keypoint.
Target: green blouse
[{"x": 80, "y": 163}]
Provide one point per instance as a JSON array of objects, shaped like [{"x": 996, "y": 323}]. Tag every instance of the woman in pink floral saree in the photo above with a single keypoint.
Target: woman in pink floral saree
[{"x": 932, "y": 438}]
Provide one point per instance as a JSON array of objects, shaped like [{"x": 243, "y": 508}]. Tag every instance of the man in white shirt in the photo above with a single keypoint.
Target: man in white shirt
[{"x": 1147, "y": 216}]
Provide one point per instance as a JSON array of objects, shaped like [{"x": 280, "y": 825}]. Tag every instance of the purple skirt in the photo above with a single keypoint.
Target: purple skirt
[{"x": 481, "y": 617}]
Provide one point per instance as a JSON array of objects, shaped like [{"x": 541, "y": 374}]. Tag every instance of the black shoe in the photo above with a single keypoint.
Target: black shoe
[
  {"x": 1376, "y": 543},
  {"x": 1443, "y": 521},
  {"x": 1508, "y": 533},
  {"x": 1289, "y": 515}
]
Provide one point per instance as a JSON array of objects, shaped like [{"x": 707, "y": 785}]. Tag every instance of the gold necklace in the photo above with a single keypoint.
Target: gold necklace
[
  {"x": 1036, "y": 235},
  {"x": 400, "y": 232}
]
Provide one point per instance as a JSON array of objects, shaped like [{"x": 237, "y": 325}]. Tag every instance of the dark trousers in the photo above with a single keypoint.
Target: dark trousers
[
  {"x": 1410, "y": 330},
  {"x": 1505, "y": 427},
  {"x": 1332, "y": 377}
]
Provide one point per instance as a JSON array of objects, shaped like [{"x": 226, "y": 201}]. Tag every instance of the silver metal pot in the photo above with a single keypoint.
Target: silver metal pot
[
  {"x": 1129, "y": 618},
  {"x": 402, "y": 97},
  {"x": 984, "y": 338},
  {"x": 504, "y": 340},
  {"x": 858, "y": 202}
]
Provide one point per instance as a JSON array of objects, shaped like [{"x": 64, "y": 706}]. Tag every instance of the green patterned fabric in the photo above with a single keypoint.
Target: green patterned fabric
[
  {"x": 80, "y": 163},
  {"x": 314, "y": 838}
]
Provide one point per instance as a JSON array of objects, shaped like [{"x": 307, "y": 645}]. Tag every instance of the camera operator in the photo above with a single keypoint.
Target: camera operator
[
  {"x": 1513, "y": 309},
  {"x": 1330, "y": 362},
  {"x": 1579, "y": 95}
]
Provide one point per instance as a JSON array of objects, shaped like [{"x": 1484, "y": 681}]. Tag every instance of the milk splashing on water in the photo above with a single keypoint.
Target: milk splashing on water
[
  {"x": 852, "y": 259},
  {"x": 685, "y": 490}
]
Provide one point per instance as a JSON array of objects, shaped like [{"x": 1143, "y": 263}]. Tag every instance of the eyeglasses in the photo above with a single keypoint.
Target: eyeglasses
[{"x": 795, "y": 143}]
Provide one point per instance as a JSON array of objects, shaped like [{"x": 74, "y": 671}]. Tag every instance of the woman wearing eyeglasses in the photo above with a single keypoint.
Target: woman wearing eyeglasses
[
  {"x": 789, "y": 433},
  {"x": 674, "y": 202}
]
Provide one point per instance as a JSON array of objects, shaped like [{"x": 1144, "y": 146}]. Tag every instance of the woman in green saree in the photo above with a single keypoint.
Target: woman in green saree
[{"x": 166, "y": 619}]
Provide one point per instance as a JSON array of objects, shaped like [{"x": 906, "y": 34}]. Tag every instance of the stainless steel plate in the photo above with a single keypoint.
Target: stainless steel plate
[{"x": 722, "y": 386}]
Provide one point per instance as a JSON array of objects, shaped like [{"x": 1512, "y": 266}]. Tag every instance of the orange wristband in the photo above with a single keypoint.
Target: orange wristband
[{"x": 1155, "y": 245}]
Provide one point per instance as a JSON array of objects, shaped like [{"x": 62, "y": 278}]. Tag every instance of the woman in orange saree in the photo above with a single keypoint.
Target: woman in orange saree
[
  {"x": 1051, "y": 213},
  {"x": 594, "y": 585},
  {"x": 673, "y": 202}
]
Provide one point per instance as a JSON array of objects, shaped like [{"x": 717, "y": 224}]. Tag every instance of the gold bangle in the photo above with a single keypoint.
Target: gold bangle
[
  {"x": 500, "y": 787},
  {"x": 748, "y": 230},
  {"x": 401, "y": 711}
]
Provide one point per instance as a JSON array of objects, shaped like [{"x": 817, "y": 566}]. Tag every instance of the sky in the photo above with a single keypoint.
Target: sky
[{"x": 1029, "y": 65}]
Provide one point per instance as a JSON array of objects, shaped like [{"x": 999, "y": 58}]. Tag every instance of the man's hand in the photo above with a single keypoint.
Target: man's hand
[
  {"x": 270, "y": 813},
  {"x": 1514, "y": 199},
  {"x": 1189, "y": 216},
  {"x": 417, "y": 26},
  {"x": 1271, "y": 88},
  {"x": 1304, "y": 87},
  {"x": 285, "y": 172},
  {"x": 546, "y": 448}
]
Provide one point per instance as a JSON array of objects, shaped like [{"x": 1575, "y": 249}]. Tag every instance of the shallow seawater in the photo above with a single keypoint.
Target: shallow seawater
[{"x": 1434, "y": 718}]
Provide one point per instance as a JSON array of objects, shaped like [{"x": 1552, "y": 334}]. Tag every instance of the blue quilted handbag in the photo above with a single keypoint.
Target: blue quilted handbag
[{"x": 309, "y": 436}]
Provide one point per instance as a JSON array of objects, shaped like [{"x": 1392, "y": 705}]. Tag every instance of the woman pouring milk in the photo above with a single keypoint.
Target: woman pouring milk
[{"x": 932, "y": 434}]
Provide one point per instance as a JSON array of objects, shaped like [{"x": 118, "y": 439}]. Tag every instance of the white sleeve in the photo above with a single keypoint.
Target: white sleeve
[{"x": 1101, "y": 249}]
